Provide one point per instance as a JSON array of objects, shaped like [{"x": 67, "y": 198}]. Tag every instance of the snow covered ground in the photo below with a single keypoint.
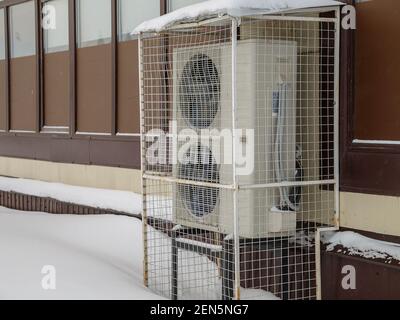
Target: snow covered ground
[
  {"x": 123, "y": 201},
  {"x": 96, "y": 257},
  {"x": 159, "y": 206}
]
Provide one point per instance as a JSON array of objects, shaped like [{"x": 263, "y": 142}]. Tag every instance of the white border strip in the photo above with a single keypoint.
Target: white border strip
[
  {"x": 81, "y": 133},
  {"x": 385, "y": 142}
]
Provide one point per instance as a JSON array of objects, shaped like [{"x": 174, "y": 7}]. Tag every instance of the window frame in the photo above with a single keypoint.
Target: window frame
[
  {"x": 6, "y": 4},
  {"x": 11, "y": 27},
  {"x": 372, "y": 168},
  {"x": 6, "y": 121}
]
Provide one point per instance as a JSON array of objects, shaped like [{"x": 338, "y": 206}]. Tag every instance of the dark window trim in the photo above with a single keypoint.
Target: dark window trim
[
  {"x": 364, "y": 168},
  {"x": 114, "y": 69},
  {"x": 39, "y": 67},
  {"x": 85, "y": 150},
  {"x": 72, "y": 65}
]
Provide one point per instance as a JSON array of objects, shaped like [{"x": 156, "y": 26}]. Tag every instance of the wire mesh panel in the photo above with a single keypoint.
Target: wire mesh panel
[{"x": 238, "y": 149}]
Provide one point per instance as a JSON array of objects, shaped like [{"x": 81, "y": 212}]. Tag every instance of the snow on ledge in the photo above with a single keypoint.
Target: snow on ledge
[
  {"x": 122, "y": 201},
  {"x": 235, "y": 8},
  {"x": 362, "y": 246}
]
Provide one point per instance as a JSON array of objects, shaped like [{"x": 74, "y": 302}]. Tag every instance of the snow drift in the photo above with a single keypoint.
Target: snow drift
[
  {"x": 122, "y": 201},
  {"x": 362, "y": 246}
]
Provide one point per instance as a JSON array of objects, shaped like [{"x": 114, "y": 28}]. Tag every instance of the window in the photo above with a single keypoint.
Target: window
[
  {"x": 22, "y": 30},
  {"x": 23, "y": 67},
  {"x": 94, "y": 67},
  {"x": 377, "y": 71},
  {"x": 370, "y": 113},
  {"x": 56, "y": 93},
  {"x": 93, "y": 22},
  {"x": 56, "y": 39},
  {"x": 133, "y": 12},
  {"x": 176, "y": 4},
  {"x": 130, "y": 14}
]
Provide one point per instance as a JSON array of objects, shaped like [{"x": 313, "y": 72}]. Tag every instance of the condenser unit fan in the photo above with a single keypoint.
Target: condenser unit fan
[
  {"x": 199, "y": 165},
  {"x": 199, "y": 91}
]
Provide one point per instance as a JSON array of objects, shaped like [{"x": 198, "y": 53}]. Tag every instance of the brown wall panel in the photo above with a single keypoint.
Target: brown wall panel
[
  {"x": 374, "y": 280},
  {"x": 56, "y": 89},
  {"x": 2, "y": 95},
  {"x": 128, "y": 109},
  {"x": 23, "y": 95},
  {"x": 94, "y": 87},
  {"x": 377, "y": 71}
]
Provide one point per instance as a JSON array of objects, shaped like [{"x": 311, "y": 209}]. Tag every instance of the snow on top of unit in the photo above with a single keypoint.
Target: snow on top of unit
[
  {"x": 234, "y": 8},
  {"x": 362, "y": 246}
]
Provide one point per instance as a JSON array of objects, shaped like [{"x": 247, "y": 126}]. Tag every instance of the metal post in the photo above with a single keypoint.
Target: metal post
[
  {"x": 336, "y": 160},
  {"x": 236, "y": 238},
  {"x": 336, "y": 115},
  {"x": 174, "y": 266},
  {"x": 228, "y": 262},
  {"x": 142, "y": 148}
]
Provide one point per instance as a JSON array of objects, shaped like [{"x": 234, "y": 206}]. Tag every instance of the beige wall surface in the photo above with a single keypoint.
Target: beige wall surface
[
  {"x": 379, "y": 214},
  {"x": 72, "y": 174}
]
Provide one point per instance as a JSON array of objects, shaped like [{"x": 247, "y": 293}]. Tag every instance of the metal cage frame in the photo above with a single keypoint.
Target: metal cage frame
[{"x": 235, "y": 187}]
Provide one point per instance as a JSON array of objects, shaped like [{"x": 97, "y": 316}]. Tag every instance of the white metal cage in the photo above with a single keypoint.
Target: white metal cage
[{"x": 239, "y": 123}]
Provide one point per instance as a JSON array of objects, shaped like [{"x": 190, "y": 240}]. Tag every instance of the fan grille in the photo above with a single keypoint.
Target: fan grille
[
  {"x": 199, "y": 91},
  {"x": 199, "y": 165}
]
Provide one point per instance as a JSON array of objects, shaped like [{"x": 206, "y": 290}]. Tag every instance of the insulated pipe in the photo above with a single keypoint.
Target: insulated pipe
[{"x": 280, "y": 174}]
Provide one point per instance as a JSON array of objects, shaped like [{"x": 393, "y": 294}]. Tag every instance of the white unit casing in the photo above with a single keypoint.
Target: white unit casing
[{"x": 263, "y": 66}]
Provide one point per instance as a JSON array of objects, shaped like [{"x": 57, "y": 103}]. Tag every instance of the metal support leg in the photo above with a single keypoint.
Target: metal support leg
[
  {"x": 284, "y": 252},
  {"x": 228, "y": 270},
  {"x": 174, "y": 262}
]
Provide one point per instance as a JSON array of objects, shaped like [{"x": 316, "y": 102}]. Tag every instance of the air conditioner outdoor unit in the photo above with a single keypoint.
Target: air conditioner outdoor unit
[{"x": 266, "y": 103}]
